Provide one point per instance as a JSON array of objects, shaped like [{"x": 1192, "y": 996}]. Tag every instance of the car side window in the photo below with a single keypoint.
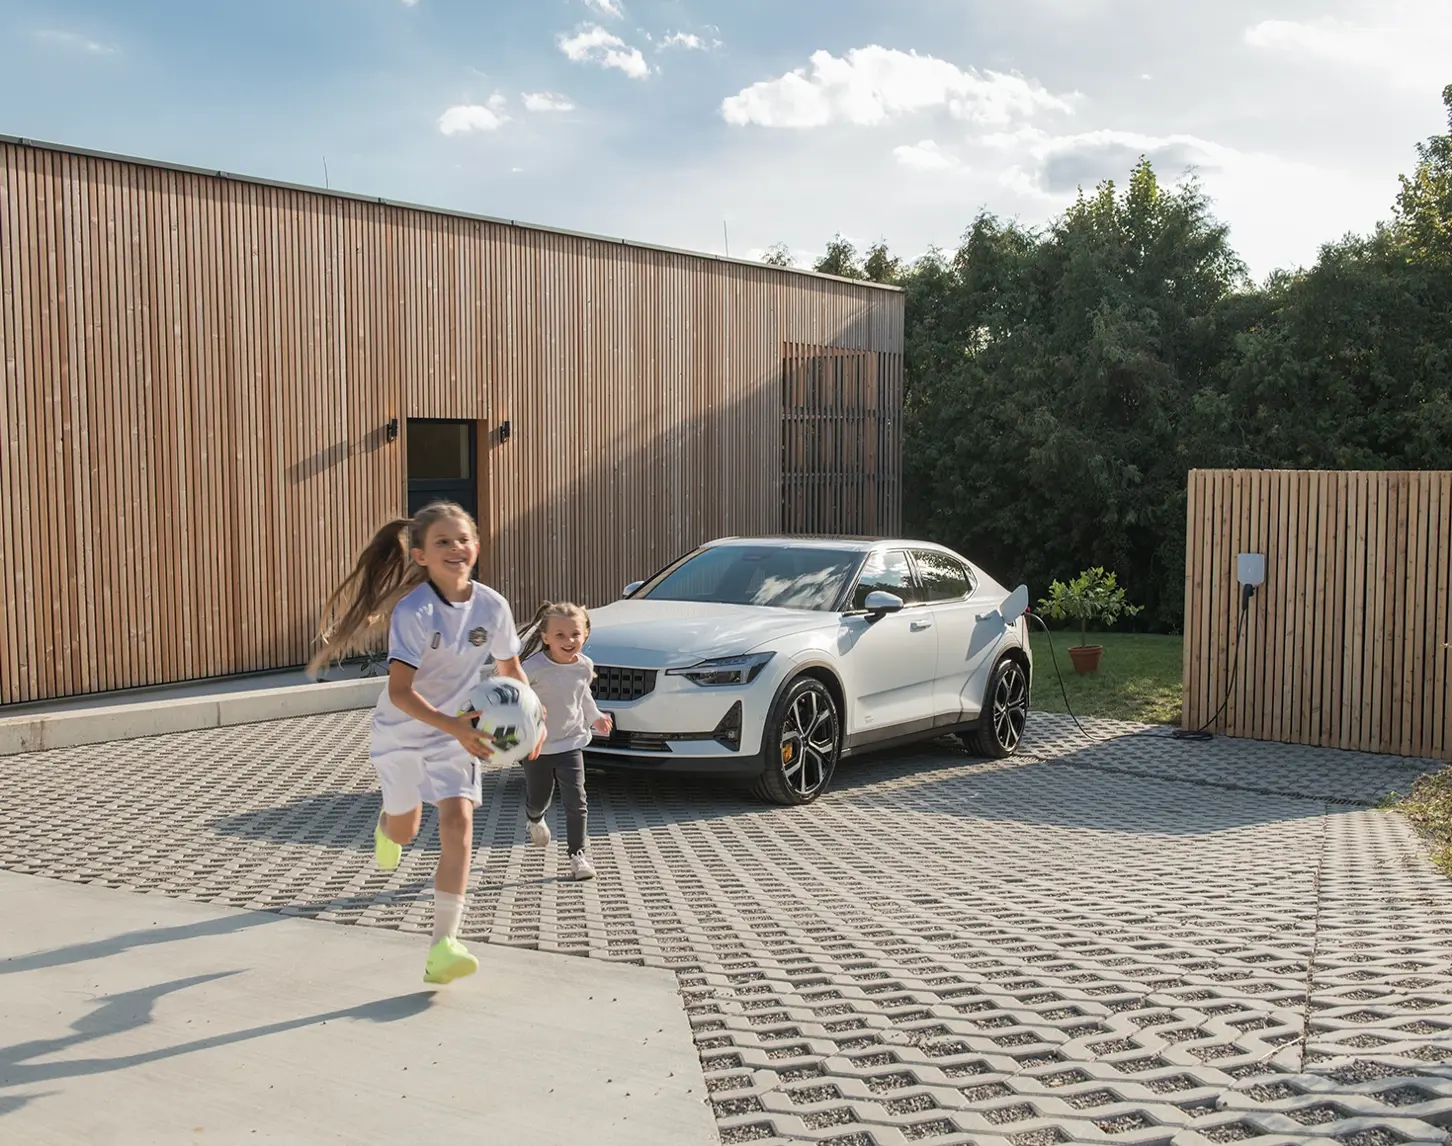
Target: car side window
[
  {"x": 944, "y": 578},
  {"x": 890, "y": 572}
]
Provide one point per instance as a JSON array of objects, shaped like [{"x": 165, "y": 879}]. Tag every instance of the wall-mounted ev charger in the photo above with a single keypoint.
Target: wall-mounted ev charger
[{"x": 1250, "y": 572}]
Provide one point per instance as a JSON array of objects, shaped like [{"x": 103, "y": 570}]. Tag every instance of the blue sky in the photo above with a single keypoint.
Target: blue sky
[{"x": 789, "y": 120}]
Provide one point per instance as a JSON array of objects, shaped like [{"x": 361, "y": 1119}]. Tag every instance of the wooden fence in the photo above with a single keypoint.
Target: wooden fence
[
  {"x": 841, "y": 441},
  {"x": 1346, "y": 645}
]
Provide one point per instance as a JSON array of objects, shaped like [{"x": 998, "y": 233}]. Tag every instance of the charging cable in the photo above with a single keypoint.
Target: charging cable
[
  {"x": 1201, "y": 733},
  {"x": 1063, "y": 689}
]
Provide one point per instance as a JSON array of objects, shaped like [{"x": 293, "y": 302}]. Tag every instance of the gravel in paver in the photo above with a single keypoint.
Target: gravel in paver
[{"x": 1202, "y": 934}]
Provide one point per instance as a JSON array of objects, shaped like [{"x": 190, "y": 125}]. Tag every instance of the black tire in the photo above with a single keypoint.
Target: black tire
[
  {"x": 1005, "y": 713},
  {"x": 800, "y": 743}
]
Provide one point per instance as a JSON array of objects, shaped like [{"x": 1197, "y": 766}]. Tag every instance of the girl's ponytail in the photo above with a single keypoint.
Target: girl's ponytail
[
  {"x": 532, "y": 634},
  {"x": 360, "y": 607}
]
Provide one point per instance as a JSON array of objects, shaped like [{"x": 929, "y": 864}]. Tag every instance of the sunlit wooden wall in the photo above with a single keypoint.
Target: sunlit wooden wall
[
  {"x": 198, "y": 372},
  {"x": 1346, "y": 645},
  {"x": 842, "y": 441}
]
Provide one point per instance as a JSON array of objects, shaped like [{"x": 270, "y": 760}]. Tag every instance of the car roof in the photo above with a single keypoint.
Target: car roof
[{"x": 819, "y": 541}]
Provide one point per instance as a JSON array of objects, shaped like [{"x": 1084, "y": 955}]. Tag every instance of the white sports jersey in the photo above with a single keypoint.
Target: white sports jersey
[{"x": 448, "y": 644}]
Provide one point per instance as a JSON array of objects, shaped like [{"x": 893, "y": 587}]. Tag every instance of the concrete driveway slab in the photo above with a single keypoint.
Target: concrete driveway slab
[{"x": 135, "y": 1019}]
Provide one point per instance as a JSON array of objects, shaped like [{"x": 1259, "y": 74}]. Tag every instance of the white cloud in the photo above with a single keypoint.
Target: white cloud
[
  {"x": 469, "y": 117},
  {"x": 1408, "y": 41},
  {"x": 926, "y": 156},
  {"x": 546, "y": 101},
  {"x": 689, "y": 41},
  {"x": 597, "y": 46},
  {"x": 606, "y": 8},
  {"x": 1329, "y": 39},
  {"x": 76, "y": 42},
  {"x": 873, "y": 84},
  {"x": 1055, "y": 166}
]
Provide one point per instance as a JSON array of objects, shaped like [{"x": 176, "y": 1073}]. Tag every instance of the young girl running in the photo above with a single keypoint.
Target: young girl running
[
  {"x": 443, "y": 627},
  {"x": 560, "y": 676}
]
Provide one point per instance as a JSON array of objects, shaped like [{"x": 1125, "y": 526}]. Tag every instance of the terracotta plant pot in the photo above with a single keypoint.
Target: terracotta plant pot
[{"x": 1086, "y": 658}]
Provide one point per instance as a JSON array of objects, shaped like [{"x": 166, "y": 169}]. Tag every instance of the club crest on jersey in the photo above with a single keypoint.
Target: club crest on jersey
[{"x": 478, "y": 636}]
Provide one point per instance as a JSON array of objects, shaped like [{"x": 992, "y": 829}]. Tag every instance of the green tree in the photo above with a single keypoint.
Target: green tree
[
  {"x": 1061, "y": 382},
  {"x": 1424, "y": 206},
  {"x": 840, "y": 260},
  {"x": 880, "y": 266},
  {"x": 1045, "y": 436},
  {"x": 778, "y": 255}
]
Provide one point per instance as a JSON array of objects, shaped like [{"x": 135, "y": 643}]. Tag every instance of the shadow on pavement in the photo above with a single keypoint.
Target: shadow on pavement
[
  {"x": 131, "y": 1010},
  {"x": 115, "y": 944}
]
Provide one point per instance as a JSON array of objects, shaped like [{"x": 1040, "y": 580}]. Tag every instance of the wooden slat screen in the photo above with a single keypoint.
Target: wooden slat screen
[
  {"x": 1347, "y": 643},
  {"x": 198, "y": 370},
  {"x": 841, "y": 441}
]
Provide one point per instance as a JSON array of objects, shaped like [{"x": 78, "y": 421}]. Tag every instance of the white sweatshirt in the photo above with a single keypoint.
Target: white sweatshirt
[{"x": 564, "y": 690}]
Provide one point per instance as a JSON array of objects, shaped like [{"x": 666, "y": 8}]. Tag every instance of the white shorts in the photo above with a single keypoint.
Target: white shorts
[{"x": 423, "y": 772}]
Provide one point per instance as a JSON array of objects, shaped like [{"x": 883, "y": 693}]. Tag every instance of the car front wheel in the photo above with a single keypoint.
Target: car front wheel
[
  {"x": 801, "y": 742},
  {"x": 1005, "y": 713}
]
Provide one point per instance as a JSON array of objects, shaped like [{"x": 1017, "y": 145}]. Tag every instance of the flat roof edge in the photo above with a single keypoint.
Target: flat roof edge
[{"x": 353, "y": 196}]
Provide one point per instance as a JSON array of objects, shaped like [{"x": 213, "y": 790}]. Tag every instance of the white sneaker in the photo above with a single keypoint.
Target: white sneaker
[
  {"x": 581, "y": 867},
  {"x": 539, "y": 832}
]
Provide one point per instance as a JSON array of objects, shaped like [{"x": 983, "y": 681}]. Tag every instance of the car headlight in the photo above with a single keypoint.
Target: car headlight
[{"x": 724, "y": 670}]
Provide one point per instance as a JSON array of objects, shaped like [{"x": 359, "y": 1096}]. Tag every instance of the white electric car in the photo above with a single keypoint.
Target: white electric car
[{"x": 769, "y": 659}]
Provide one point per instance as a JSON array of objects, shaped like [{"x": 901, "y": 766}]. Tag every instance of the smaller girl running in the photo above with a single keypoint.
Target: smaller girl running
[
  {"x": 560, "y": 676},
  {"x": 442, "y": 628}
]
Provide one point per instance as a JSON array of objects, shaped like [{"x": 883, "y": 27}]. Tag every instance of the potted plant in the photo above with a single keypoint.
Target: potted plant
[{"x": 1092, "y": 596}]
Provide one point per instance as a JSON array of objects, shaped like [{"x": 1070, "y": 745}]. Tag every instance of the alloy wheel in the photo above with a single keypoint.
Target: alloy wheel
[
  {"x": 808, "y": 742},
  {"x": 1010, "y": 706}
]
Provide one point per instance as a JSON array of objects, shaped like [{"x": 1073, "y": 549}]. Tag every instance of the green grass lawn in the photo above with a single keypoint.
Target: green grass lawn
[
  {"x": 1429, "y": 807},
  {"x": 1139, "y": 677}
]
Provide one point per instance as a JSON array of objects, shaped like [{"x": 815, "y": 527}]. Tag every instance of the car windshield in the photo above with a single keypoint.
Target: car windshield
[{"x": 776, "y": 576}]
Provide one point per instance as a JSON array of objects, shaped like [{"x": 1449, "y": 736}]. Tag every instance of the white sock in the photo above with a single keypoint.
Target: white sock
[{"x": 448, "y": 911}]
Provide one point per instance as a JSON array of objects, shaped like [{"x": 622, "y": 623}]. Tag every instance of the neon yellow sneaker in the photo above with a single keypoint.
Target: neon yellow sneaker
[
  {"x": 449, "y": 960},
  {"x": 386, "y": 853}
]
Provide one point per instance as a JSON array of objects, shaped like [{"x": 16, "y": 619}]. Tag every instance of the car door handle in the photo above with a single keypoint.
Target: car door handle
[{"x": 919, "y": 626}]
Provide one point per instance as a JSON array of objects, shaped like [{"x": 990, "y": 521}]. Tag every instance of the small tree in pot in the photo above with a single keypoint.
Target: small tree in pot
[{"x": 1092, "y": 596}]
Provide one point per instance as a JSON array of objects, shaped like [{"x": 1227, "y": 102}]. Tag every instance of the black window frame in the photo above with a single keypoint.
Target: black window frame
[
  {"x": 432, "y": 489},
  {"x": 955, "y": 559},
  {"x": 861, "y": 565}
]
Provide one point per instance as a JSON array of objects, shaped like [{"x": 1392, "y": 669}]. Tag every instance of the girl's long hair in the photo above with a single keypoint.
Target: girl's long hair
[
  {"x": 532, "y": 634},
  {"x": 356, "y": 615}
]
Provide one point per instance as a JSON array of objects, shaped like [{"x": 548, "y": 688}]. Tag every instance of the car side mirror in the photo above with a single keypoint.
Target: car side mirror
[
  {"x": 879, "y": 603},
  {"x": 631, "y": 588},
  {"x": 1015, "y": 605}
]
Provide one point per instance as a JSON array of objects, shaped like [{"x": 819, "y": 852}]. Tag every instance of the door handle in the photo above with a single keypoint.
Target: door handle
[{"x": 919, "y": 626}]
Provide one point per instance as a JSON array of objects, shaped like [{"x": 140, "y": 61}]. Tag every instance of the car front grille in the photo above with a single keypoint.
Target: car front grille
[
  {"x": 620, "y": 684},
  {"x": 727, "y": 732}
]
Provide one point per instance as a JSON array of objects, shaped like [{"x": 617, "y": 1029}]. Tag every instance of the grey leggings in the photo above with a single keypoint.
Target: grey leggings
[{"x": 539, "y": 788}]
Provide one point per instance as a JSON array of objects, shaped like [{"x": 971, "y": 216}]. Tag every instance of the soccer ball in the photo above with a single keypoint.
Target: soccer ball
[{"x": 509, "y": 718}]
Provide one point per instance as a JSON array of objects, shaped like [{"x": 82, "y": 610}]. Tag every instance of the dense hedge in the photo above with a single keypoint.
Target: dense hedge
[{"x": 1061, "y": 382}]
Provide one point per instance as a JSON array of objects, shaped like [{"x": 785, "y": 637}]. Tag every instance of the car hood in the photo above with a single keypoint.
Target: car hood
[{"x": 672, "y": 634}]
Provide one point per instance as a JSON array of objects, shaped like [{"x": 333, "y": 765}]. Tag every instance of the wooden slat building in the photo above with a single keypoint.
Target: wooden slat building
[
  {"x": 1348, "y": 644},
  {"x": 211, "y": 384}
]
